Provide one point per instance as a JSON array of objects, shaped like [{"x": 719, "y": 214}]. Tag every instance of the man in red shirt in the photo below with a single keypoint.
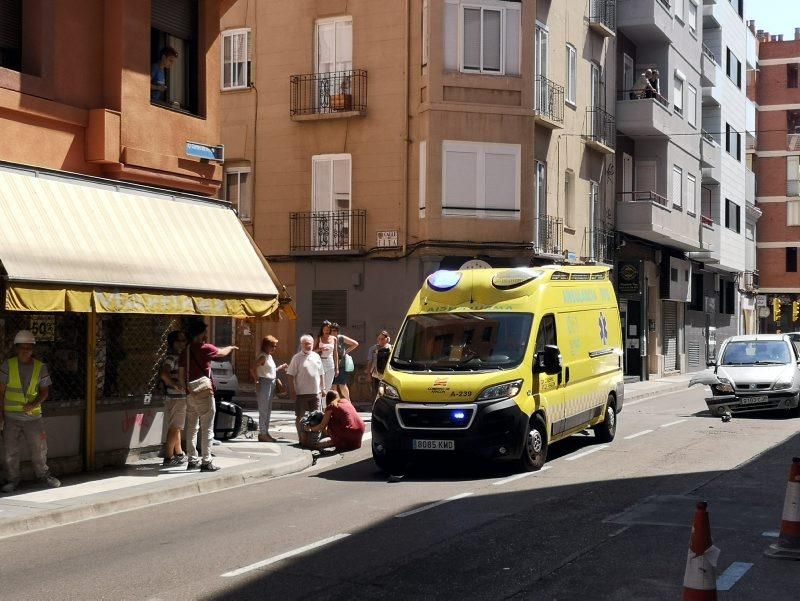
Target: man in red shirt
[
  {"x": 198, "y": 356},
  {"x": 341, "y": 424}
]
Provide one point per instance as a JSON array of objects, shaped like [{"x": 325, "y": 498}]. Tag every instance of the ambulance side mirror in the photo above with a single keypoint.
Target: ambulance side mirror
[{"x": 548, "y": 361}]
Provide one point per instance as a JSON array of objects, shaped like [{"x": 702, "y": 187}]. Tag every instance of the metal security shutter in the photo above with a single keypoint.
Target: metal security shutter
[
  {"x": 175, "y": 17},
  {"x": 10, "y": 23},
  {"x": 695, "y": 353},
  {"x": 330, "y": 305},
  {"x": 670, "y": 315}
]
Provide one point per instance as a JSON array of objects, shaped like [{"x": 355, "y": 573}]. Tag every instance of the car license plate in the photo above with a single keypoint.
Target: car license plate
[
  {"x": 433, "y": 445},
  {"x": 753, "y": 400}
]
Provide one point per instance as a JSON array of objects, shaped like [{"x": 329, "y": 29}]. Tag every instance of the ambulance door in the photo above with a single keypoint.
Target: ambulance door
[{"x": 550, "y": 392}]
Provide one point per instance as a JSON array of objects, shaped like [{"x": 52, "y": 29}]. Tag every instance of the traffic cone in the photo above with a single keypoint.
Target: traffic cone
[
  {"x": 700, "y": 579},
  {"x": 788, "y": 545}
]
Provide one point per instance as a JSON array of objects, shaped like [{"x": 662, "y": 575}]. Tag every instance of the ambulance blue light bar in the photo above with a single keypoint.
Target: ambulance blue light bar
[{"x": 444, "y": 280}]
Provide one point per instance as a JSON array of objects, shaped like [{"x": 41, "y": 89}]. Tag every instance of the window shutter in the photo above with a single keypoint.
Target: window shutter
[
  {"x": 677, "y": 97},
  {"x": 341, "y": 184},
  {"x": 691, "y": 105},
  {"x": 472, "y": 38},
  {"x": 492, "y": 35},
  {"x": 460, "y": 181},
  {"x": 175, "y": 17},
  {"x": 245, "y": 205},
  {"x": 10, "y": 23},
  {"x": 330, "y": 305},
  {"x": 677, "y": 186},
  {"x": 451, "y": 36},
  {"x": 500, "y": 181},
  {"x": 793, "y": 212},
  {"x": 646, "y": 176},
  {"x": 512, "y": 50}
]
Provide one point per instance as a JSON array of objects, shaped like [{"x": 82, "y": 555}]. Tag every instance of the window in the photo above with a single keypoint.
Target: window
[
  {"x": 696, "y": 303},
  {"x": 334, "y": 45},
  {"x": 546, "y": 334},
  {"x": 692, "y": 20},
  {"x": 679, "y": 12},
  {"x": 733, "y": 68},
  {"x": 733, "y": 142},
  {"x": 569, "y": 199},
  {"x": 330, "y": 305},
  {"x": 733, "y": 214},
  {"x": 483, "y": 38},
  {"x": 423, "y": 176},
  {"x": 426, "y": 39},
  {"x": 793, "y": 212},
  {"x": 792, "y": 75},
  {"x": 691, "y": 105},
  {"x": 540, "y": 203},
  {"x": 224, "y": 330},
  {"x": 677, "y": 92},
  {"x": 677, "y": 187},
  {"x": 237, "y": 191},
  {"x": 691, "y": 194},
  {"x": 791, "y": 259},
  {"x": 174, "y": 68},
  {"x": 236, "y": 59},
  {"x": 11, "y": 34},
  {"x": 330, "y": 182},
  {"x": 729, "y": 304},
  {"x": 572, "y": 67},
  {"x": 542, "y": 43},
  {"x": 480, "y": 179}
]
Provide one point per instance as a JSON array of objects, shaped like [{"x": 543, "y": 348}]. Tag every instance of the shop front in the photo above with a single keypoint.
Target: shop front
[{"x": 101, "y": 272}]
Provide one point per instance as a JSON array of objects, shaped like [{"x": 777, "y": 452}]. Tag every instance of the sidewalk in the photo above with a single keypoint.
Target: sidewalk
[{"x": 657, "y": 386}]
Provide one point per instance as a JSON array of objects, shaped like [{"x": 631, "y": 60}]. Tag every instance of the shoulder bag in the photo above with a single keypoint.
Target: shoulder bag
[{"x": 202, "y": 387}]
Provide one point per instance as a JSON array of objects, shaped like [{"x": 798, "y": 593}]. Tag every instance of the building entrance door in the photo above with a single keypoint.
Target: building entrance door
[
  {"x": 670, "y": 336},
  {"x": 631, "y": 336}
]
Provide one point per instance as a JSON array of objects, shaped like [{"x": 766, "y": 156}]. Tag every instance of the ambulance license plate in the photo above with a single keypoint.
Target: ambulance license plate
[
  {"x": 753, "y": 400},
  {"x": 433, "y": 445}
]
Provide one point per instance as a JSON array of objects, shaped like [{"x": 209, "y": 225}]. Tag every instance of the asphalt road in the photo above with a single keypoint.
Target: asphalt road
[{"x": 599, "y": 522}]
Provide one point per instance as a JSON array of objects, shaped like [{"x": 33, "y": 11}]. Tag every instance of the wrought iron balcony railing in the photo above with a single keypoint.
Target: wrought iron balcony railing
[
  {"x": 604, "y": 12},
  {"x": 643, "y": 95},
  {"x": 600, "y": 245},
  {"x": 601, "y": 127},
  {"x": 328, "y": 232},
  {"x": 549, "y": 233},
  {"x": 549, "y": 99},
  {"x": 340, "y": 92}
]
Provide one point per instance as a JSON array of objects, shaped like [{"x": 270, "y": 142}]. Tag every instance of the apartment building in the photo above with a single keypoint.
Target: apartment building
[{"x": 777, "y": 156}]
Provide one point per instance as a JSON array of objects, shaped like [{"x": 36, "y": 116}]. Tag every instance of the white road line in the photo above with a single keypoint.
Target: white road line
[
  {"x": 771, "y": 534},
  {"x": 589, "y": 452},
  {"x": 638, "y": 434},
  {"x": 432, "y": 505},
  {"x": 675, "y": 423},
  {"x": 730, "y": 577},
  {"x": 288, "y": 554},
  {"x": 519, "y": 476}
]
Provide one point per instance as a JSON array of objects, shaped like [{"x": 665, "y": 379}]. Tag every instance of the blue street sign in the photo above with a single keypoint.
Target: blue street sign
[{"x": 205, "y": 151}]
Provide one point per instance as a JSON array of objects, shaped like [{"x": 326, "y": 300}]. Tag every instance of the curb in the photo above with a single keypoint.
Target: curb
[
  {"x": 646, "y": 394},
  {"x": 197, "y": 486}
]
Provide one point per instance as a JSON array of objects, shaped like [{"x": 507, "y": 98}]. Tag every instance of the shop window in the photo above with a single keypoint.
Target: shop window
[
  {"x": 330, "y": 305},
  {"x": 237, "y": 191},
  {"x": 696, "y": 303},
  {"x": 174, "y": 54},
  {"x": 11, "y": 34},
  {"x": 791, "y": 259},
  {"x": 727, "y": 297},
  {"x": 237, "y": 57}
]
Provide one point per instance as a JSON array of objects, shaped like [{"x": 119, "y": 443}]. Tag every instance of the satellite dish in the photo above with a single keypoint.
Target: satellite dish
[{"x": 475, "y": 264}]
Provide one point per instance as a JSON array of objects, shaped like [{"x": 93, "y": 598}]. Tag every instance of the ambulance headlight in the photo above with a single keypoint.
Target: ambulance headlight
[
  {"x": 388, "y": 391},
  {"x": 506, "y": 390}
]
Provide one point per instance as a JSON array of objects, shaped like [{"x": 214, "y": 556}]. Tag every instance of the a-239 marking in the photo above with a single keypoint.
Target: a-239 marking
[{"x": 461, "y": 393}]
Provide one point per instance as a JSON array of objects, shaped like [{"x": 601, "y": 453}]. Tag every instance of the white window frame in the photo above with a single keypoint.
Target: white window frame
[
  {"x": 482, "y": 8},
  {"x": 332, "y": 242},
  {"x": 678, "y": 77},
  {"x": 571, "y": 92},
  {"x": 481, "y": 148},
  {"x": 692, "y": 20},
  {"x": 677, "y": 199},
  {"x": 327, "y": 21},
  {"x": 569, "y": 199},
  {"x": 233, "y": 34},
  {"x": 691, "y": 105},
  {"x": 691, "y": 194},
  {"x": 245, "y": 216},
  {"x": 680, "y": 10}
]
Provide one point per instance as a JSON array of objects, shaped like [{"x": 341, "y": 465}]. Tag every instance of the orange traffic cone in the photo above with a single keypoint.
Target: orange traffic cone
[
  {"x": 788, "y": 545},
  {"x": 700, "y": 579}
]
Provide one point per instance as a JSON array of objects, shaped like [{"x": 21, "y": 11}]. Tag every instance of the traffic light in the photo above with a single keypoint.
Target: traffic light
[
  {"x": 776, "y": 309},
  {"x": 795, "y": 311}
]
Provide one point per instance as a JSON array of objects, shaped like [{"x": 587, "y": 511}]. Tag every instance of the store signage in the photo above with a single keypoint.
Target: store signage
[
  {"x": 205, "y": 151},
  {"x": 629, "y": 277},
  {"x": 387, "y": 239},
  {"x": 761, "y": 300},
  {"x": 43, "y": 328}
]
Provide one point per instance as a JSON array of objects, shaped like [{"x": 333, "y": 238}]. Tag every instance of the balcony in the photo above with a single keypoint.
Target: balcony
[
  {"x": 549, "y": 103},
  {"x": 328, "y": 233},
  {"x": 708, "y": 68},
  {"x": 641, "y": 116},
  {"x": 645, "y": 22},
  {"x": 335, "y": 95},
  {"x": 600, "y": 245},
  {"x": 649, "y": 216},
  {"x": 601, "y": 130},
  {"x": 712, "y": 16},
  {"x": 749, "y": 187},
  {"x": 603, "y": 17},
  {"x": 710, "y": 161},
  {"x": 549, "y": 232}
]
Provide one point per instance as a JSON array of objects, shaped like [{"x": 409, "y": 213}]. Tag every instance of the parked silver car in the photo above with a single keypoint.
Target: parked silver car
[{"x": 754, "y": 373}]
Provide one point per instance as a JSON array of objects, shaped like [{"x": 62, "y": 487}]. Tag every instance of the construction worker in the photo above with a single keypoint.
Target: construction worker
[{"x": 24, "y": 386}]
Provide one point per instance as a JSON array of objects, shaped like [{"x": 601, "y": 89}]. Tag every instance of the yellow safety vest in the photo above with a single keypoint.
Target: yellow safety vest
[{"x": 15, "y": 396}]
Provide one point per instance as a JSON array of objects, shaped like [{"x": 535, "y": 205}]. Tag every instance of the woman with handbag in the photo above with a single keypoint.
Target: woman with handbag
[
  {"x": 265, "y": 376},
  {"x": 195, "y": 370},
  {"x": 345, "y": 346}
]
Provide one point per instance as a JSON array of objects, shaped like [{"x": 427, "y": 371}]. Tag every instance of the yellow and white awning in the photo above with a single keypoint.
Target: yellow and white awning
[{"x": 82, "y": 245}]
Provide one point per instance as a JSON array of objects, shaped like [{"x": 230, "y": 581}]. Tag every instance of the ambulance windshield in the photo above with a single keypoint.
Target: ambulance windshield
[{"x": 462, "y": 341}]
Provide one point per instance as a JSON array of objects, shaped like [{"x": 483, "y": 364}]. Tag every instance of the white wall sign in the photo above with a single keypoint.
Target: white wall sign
[{"x": 387, "y": 239}]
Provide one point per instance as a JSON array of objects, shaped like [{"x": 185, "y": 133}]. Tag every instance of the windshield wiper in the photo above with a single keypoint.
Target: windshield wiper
[
  {"x": 410, "y": 363},
  {"x": 761, "y": 362}
]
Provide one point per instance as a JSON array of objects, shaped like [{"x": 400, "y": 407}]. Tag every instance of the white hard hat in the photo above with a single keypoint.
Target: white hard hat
[{"x": 24, "y": 337}]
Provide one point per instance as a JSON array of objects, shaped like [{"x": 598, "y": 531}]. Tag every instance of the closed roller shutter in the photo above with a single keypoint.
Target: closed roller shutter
[
  {"x": 10, "y": 23},
  {"x": 175, "y": 17},
  {"x": 330, "y": 305},
  {"x": 670, "y": 314}
]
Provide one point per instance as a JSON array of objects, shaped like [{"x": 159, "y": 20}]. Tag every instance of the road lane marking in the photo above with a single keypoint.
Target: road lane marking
[
  {"x": 519, "y": 476},
  {"x": 585, "y": 453},
  {"x": 287, "y": 555},
  {"x": 675, "y": 423},
  {"x": 642, "y": 433},
  {"x": 771, "y": 534},
  {"x": 731, "y": 576},
  {"x": 432, "y": 505}
]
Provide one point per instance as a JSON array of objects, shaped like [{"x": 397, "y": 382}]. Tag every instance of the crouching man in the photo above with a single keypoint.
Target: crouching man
[{"x": 24, "y": 386}]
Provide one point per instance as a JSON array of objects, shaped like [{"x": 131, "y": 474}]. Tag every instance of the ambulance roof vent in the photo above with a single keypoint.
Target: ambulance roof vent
[
  {"x": 444, "y": 280},
  {"x": 513, "y": 278}
]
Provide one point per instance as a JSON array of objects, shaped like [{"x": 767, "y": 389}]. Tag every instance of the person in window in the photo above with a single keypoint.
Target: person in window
[
  {"x": 158, "y": 73},
  {"x": 345, "y": 346},
  {"x": 342, "y": 427}
]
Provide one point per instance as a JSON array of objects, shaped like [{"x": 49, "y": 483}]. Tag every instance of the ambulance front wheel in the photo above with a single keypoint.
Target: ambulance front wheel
[
  {"x": 534, "y": 451},
  {"x": 387, "y": 462},
  {"x": 607, "y": 429}
]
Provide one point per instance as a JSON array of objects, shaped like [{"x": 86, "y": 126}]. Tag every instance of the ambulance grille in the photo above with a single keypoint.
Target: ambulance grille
[{"x": 434, "y": 418}]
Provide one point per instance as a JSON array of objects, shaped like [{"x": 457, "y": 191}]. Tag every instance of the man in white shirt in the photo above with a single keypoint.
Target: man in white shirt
[{"x": 306, "y": 379}]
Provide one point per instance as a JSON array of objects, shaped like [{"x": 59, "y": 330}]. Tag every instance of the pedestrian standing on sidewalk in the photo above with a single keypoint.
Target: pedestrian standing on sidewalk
[
  {"x": 265, "y": 374},
  {"x": 344, "y": 346},
  {"x": 341, "y": 425},
  {"x": 24, "y": 386},
  {"x": 377, "y": 358},
  {"x": 176, "y": 398},
  {"x": 195, "y": 363},
  {"x": 326, "y": 348},
  {"x": 306, "y": 380}
]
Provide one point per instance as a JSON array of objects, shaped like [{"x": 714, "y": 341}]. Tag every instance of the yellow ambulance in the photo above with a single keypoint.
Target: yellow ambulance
[{"x": 500, "y": 364}]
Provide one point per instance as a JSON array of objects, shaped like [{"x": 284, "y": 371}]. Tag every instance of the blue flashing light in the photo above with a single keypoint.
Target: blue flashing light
[
  {"x": 443, "y": 280},
  {"x": 458, "y": 415}
]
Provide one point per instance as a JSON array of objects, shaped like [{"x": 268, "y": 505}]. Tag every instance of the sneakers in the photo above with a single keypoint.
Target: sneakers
[
  {"x": 51, "y": 482},
  {"x": 193, "y": 464},
  {"x": 209, "y": 467},
  {"x": 174, "y": 461},
  {"x": 9, "y": 487}
]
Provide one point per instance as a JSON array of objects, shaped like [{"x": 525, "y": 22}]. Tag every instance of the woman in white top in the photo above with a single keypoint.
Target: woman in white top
[
  {"x": 329, "y": 353},
  {"x": 264, "y": 374}
]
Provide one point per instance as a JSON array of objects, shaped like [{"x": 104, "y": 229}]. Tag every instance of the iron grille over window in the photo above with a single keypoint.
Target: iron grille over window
[{"x": 329, "y": 93}]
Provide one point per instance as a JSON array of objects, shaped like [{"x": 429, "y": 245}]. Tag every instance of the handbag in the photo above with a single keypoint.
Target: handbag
[
  {"x": 201, "y": 388},
  {"x": 349, "y": 366}
]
